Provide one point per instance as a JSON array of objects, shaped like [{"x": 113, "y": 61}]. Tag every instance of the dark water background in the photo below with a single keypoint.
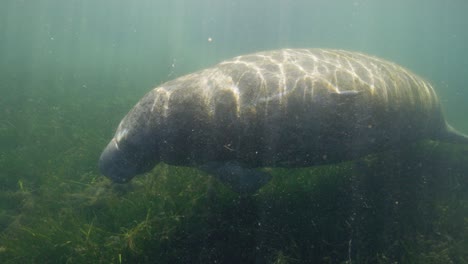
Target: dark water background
[{"x": 70, "y": 70}]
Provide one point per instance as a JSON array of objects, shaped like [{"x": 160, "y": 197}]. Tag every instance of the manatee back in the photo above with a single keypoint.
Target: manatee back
[{"x": 291, "y": 108}]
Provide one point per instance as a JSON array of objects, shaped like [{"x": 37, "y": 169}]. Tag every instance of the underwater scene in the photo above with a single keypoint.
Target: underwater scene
[{"x": 233, "y": 131}]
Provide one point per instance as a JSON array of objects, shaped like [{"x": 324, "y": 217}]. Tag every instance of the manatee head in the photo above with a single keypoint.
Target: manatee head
[{"x": 133, "y": 149}]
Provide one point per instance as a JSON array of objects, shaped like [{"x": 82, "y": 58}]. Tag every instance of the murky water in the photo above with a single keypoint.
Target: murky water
[{"x": 70, "y": 70}]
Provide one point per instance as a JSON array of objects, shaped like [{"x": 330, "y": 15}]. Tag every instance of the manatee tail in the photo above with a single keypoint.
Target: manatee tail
[{"x": 454, "y": 136}]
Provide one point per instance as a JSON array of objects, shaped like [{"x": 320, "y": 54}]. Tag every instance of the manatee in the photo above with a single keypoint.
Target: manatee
[{"x": 280, "y": 108}]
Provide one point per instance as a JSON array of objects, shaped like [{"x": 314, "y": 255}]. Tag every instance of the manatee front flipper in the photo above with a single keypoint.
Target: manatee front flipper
[{"x": 241, "y": 180}]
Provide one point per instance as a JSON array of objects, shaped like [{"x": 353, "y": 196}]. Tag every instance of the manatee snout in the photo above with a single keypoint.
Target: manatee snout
[{"x": 116, "y": 165}]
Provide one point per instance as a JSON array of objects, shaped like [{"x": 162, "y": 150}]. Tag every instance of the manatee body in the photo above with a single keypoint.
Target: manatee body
[{"x": 288, "y": 108}]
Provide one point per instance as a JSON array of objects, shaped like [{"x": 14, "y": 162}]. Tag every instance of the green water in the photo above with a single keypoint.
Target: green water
[{"x": 70, "y": 70}]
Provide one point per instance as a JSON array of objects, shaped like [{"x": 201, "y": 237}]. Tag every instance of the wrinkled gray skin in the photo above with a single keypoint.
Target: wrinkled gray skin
[{"x": 288, "y": 108}]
